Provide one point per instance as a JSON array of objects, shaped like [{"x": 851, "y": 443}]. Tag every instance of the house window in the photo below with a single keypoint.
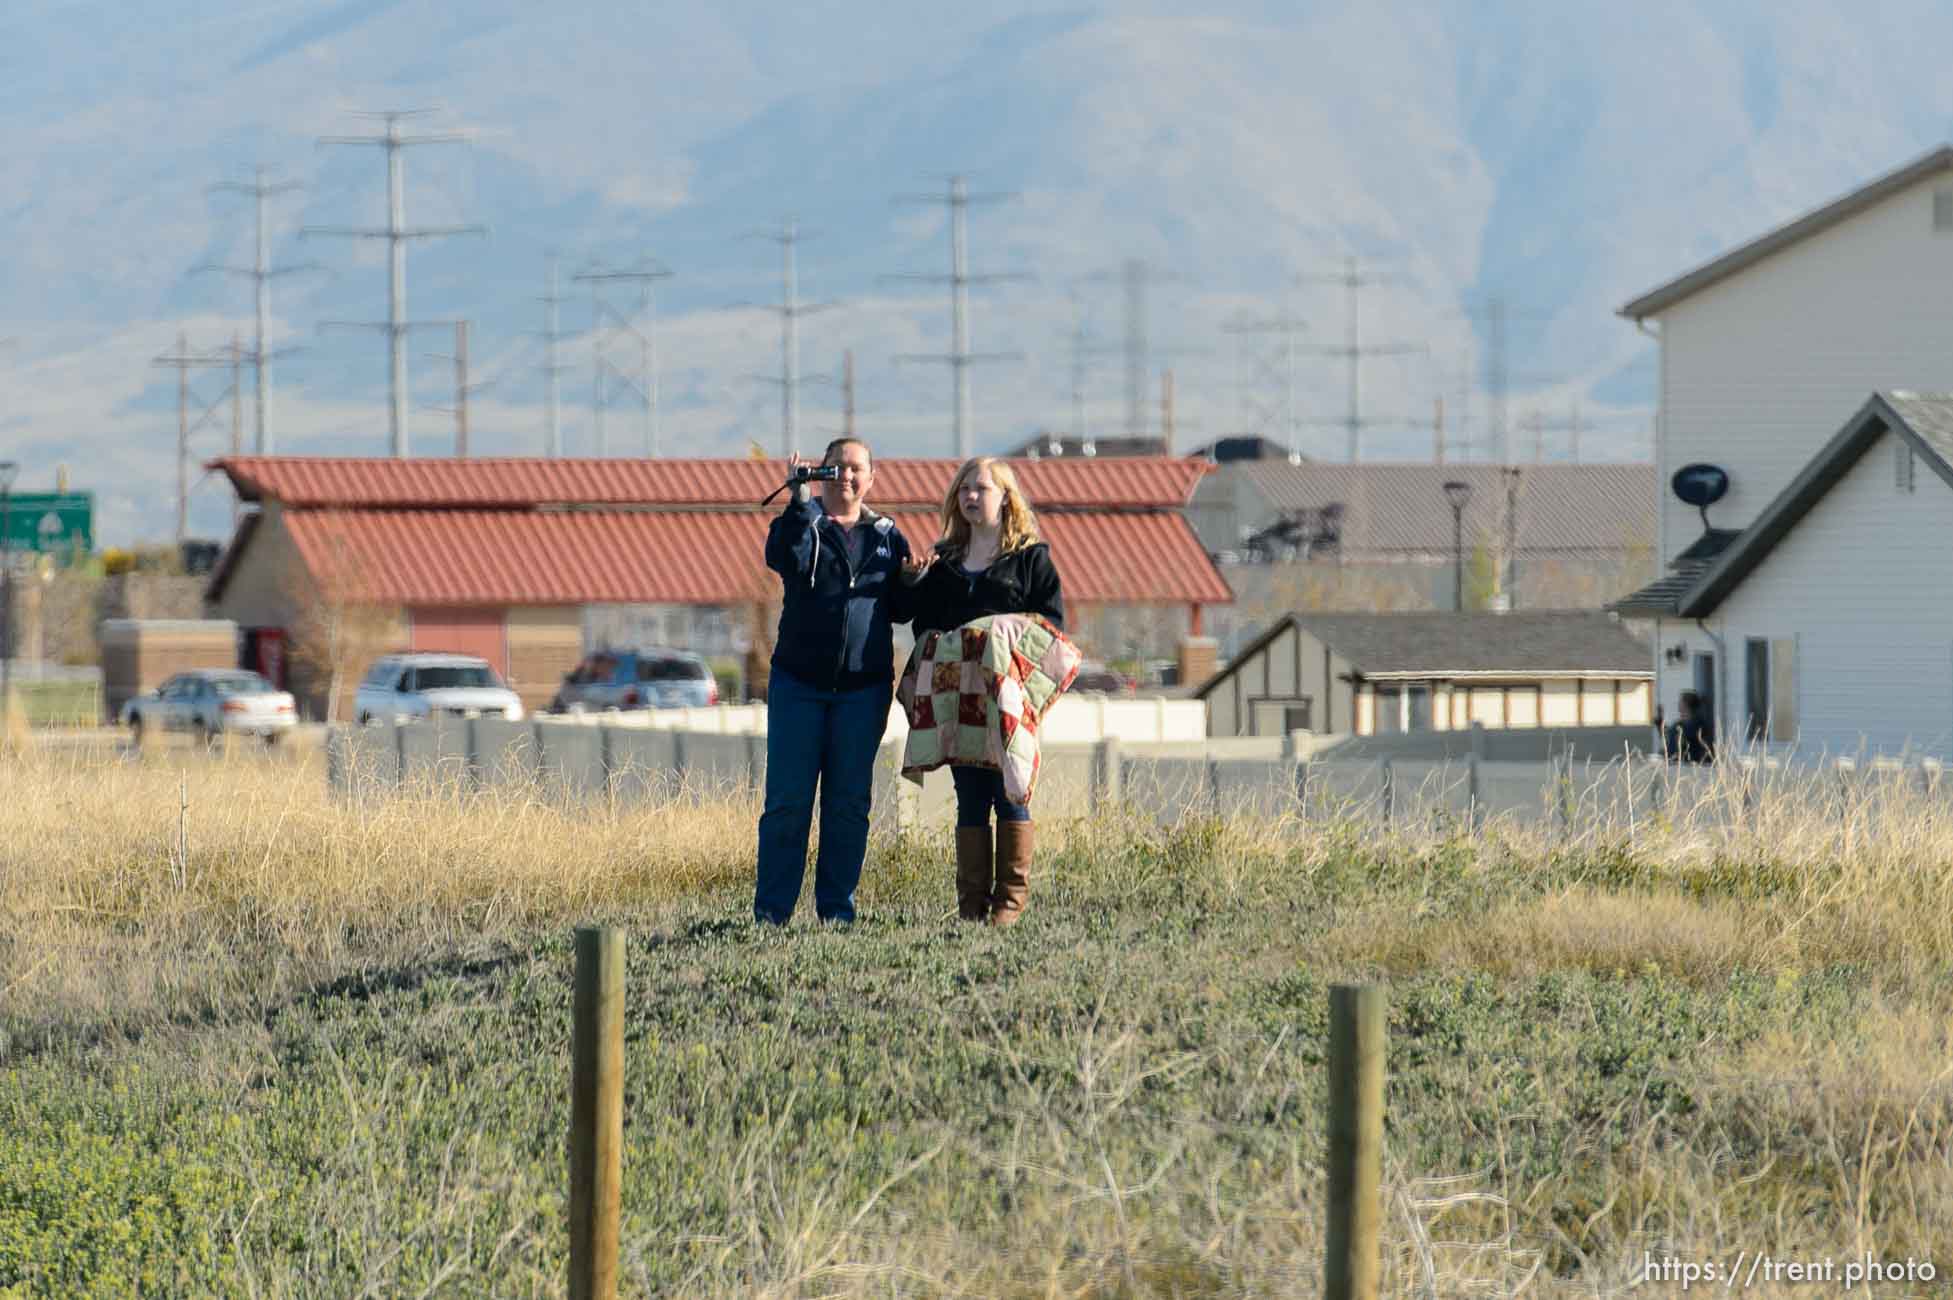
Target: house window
[
  {"x": 1943, "y": 209},
  {"x": 1902, "y": 465},
  {"x": 1296, "y": 717},
  {"x": 1389, "y": 711},
  {"x": 1418, "y": 707},
  {"x": 1770, "y": 689},
  {"x": 1756, "y": 687}
]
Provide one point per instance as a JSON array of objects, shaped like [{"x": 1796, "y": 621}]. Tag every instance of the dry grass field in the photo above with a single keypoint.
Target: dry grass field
[{"x": 255, "y": 1042}]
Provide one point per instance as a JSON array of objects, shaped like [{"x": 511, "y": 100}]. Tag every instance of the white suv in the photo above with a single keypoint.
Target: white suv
[{"x": 401, "y": 688}]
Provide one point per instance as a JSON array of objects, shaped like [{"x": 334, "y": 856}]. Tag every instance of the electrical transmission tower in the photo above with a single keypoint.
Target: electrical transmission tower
[
  {"x": 552, "y": 335},
  {"x": 184, "y": 361},
  {"x": 262, "y": 273},
  {"x": 1288, "y": 326},
  {"x": 1496, "y": 314},
  {"x": 396, "y": 233},
  {"x": 959, "y": 357},
  {"x": 790, "y": 310},
  {"x": 610, "y": 328},
  {"x": 1353, "y": 350}
]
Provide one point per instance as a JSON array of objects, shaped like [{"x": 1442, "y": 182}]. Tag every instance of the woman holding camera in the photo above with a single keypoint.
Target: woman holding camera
[
  {"x": 988, "y": 561},
  {"x": 832, "y": 679}
]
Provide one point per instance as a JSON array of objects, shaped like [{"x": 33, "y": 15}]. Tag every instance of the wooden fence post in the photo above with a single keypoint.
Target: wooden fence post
[
  {"x": 596, "y": 1113},
  {"x": 1353, "y": 1260}
]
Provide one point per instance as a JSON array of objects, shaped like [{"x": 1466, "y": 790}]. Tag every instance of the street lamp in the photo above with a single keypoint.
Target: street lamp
[
  {"x": 8, "y": 469},
  {"x": 1458, "y": 494}
]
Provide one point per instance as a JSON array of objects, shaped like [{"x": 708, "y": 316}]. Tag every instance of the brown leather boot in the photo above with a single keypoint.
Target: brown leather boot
[
  {"x": 973, "y": 872},
  {"x": 1014, "y": 841}
]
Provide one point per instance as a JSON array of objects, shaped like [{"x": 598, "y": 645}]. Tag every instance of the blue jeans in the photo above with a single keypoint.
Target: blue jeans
[
  {"x": 825, "y": 737},
  {"x": 978, "y": 790}
]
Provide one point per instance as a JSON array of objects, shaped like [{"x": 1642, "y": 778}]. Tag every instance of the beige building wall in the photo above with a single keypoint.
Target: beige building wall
[
  {"x": 269, "y": 586},
  {"x": 545, "y": 642}
]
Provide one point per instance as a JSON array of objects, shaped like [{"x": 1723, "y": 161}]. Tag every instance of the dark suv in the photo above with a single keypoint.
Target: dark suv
[{"x": 637, "y": 679}]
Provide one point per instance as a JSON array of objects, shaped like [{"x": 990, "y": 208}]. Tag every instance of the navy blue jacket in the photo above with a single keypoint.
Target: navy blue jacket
[{"x": 834, "y": 620}]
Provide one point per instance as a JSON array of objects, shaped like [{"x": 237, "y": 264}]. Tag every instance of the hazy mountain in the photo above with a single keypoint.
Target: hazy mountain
[{"x": 1557, "y": 158}]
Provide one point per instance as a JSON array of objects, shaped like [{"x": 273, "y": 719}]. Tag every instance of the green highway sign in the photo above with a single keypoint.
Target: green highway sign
[{"x": 54, "y": 523}]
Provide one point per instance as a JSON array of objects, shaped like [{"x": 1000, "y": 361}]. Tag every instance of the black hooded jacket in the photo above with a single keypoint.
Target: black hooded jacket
[{"x": 1023, "y": 581}]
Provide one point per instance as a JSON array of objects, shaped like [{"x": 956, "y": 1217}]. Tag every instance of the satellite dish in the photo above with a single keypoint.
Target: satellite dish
[{"x": 1700, "y": 485}]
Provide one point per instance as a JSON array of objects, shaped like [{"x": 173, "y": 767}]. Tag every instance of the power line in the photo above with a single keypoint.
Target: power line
[
  {"x": 262, "y": 273},
  {"x": 553, "y": 432},
  {"x": 790, "y": 310},
  {"x": 396, "y": 233},
  {"x": 959, "y": 358},
  {"x": 608, "y": 328},
  {"x": 1354, "y": 349}
]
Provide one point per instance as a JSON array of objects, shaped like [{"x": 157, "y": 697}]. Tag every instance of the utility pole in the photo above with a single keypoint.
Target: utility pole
[
  {"x": 463, "y": 389},
  {"x": 1288, "y": 326},
  {"x": 184, "y": 361},
  {"x": 1080, "y": 348},
  {"x": 396, "y": 233},
  {"x": 959, "y": 357},
  {"x": 1353, "y": 349},
  {"x": 1166, "y": 411},
  {"x": 553, "y": 434},
  {"x": 608, "y": 329},
  {"x": 262, "y": 273},
  {"x": 1509, "y": 581},
  {"x": 1497, "y": 314},
  {"x": 237, "y": 417},
  {"x": 847, "y": 394},
  {"x": 790, "y": 310}
]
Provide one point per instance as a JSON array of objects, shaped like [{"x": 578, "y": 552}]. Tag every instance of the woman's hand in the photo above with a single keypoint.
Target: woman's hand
[
  {"x": 916, "y": 566},
  {"x": 801, "y": 491}
]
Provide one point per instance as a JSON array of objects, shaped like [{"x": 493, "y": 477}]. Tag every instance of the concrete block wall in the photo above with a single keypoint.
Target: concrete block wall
[{"x": 574, "y": 762}]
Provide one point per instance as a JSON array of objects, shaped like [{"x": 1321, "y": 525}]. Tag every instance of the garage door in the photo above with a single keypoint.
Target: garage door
[{"x": 463, "y": 630}]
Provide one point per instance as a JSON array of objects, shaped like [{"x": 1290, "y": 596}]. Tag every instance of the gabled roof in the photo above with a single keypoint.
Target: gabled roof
[
  {"x": 505, "y": 483},
  {"x": 1924, "y": 420},
  {"x": 1401, "y": 508},
  {"x": 556, "y": 557},
  {"x": 1656, "y": 301},
  {"x": 1523, "y": 643}
]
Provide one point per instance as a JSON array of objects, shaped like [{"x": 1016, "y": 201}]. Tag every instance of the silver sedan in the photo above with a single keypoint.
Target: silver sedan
[{"x": 210, "y": 701}]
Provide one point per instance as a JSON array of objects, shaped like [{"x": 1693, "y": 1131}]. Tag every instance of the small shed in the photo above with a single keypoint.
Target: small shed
[
  {"x": 1377, "y": 674},
  {"x": 138, "y": 653}
]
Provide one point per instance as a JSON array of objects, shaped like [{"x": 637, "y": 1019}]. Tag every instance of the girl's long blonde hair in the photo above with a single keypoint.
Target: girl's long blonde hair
[{"x": 1017, "y": 527}]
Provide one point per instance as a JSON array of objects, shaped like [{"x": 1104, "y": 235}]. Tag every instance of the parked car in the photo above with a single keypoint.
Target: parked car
[
  {"x": 1097, "y": 677},
  {"x": 637, "y": 679},
  {"x": 208, "y": 701},
  {"x": 403, "y": 687}
]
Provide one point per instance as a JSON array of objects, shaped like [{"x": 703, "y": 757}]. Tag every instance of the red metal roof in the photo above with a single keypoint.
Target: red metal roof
[
  {"x": 1109, "y": 483},
  {"x": 523, "y": 557}
]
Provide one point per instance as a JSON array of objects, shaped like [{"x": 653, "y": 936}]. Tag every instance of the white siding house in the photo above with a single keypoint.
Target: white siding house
[
  {"x": 1834, "y": 610},
  {"x": 1767, "y": 351}
]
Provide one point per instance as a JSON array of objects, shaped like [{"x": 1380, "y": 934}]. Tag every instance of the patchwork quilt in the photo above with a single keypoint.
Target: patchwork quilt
[{"x": 977, "y": 695}]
